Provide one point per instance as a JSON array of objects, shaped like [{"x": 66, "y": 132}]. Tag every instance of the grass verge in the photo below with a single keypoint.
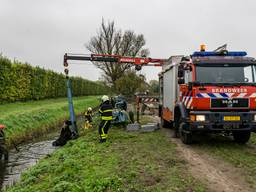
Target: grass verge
[
  {"x": 129, "y": 161},
  {"x": 26, "y": 120}
]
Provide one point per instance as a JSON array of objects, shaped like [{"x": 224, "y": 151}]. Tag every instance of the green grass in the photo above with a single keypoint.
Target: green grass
[
  {"x": 26, "y": 120},
  {"x": 240, "y": 156},
  {"x": 129, "y": 161}
]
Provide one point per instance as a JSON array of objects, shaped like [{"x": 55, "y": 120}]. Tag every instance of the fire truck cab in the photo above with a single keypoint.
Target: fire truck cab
[{"x": 209, "y": 91}]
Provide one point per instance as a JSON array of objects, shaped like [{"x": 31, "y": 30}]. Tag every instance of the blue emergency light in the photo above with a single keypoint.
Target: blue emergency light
[{"x": 212, "y": 53}]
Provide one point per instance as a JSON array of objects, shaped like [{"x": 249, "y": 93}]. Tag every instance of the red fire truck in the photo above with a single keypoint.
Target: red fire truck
[{"x": 209, "y": 91}]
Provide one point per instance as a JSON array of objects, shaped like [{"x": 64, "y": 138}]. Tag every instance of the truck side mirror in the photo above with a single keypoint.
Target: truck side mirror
[
  {"x": 181, "y": 81},
  {"x": 180, "y": 73},
  {"x": 187, "y": 58},
  {"x": 190, "y": 86}
]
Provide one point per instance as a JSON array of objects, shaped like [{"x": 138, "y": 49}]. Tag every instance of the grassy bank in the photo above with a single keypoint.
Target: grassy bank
[
  {"x": 25, "y": 120},
  {"x": 242, "y": 157},
  {"x": 127, "y": 162}
]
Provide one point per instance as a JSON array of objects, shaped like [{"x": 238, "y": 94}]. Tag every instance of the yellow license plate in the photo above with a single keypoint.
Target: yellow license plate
[{"x": 231, "y": 118}]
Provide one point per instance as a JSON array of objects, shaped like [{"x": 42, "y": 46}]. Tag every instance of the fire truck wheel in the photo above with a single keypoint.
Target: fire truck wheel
[
  {"x": 241, "y": 137},
  {"x": 185, "y": 136}
]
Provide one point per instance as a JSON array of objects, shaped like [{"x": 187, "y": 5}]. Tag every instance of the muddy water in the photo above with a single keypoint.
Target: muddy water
[{"x": 27, "y": 156}]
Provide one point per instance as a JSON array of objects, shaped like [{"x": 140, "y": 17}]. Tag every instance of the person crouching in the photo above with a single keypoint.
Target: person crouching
[{"x": 88, "y": 118}]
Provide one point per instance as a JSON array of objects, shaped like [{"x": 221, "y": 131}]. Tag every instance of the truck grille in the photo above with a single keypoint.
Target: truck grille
[{"x": 229, "y": 103}]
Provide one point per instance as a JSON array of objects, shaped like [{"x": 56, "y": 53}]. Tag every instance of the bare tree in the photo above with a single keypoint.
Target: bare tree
[{"x": 109, "y": 40}]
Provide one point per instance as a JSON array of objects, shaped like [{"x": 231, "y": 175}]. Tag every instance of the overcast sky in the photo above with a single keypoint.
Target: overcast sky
[{"x": 41, "y": 31}]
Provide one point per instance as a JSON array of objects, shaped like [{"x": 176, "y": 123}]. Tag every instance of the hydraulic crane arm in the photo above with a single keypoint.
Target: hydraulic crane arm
[{"x": 138, "y": 61}]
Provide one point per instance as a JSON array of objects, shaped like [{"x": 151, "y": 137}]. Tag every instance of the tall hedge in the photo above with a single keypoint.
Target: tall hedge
[{"x": 22, "y": 82}]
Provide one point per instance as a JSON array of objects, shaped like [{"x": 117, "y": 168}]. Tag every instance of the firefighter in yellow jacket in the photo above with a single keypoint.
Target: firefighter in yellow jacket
[
  {"x": 106, "y": 118},
  {"x": 88, "y": 118}
]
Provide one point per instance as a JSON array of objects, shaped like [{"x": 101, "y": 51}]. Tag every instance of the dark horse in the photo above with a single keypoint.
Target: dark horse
[
  {"x": 3, "y": 149},
  {"x": 65, "y": 134}
]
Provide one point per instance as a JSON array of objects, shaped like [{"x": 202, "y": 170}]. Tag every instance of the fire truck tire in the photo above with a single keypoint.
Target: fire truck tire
[
  {"x": 241, "y": 137},
  {"x": 185, "y": 135}
]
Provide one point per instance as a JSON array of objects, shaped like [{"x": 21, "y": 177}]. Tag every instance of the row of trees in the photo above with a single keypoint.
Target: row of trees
[
  {"x": 130, "y": 83},
  {"x": 22, "y": 82}
]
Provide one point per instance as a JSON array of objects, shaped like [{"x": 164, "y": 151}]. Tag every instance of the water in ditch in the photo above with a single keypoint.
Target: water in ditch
[{"x": 27, "y": 155}]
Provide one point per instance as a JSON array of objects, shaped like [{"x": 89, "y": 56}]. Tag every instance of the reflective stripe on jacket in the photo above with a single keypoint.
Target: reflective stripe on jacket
[{"x": 106, "y": 111}]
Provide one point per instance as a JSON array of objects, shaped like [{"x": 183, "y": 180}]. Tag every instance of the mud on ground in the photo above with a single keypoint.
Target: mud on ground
[{"x": 215, "y": 173}]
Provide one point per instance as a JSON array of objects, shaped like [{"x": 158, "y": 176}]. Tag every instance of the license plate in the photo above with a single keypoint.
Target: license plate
[{"x": 231, "y": 118}]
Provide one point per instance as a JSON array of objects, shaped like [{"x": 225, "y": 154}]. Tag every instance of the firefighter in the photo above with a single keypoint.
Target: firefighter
[
  {"x": 88, "y": 118},
  {"x": 106, "y": 117}
]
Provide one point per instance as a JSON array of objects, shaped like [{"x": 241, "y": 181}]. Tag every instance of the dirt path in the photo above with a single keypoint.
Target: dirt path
[{"x": 217, "y": 175}]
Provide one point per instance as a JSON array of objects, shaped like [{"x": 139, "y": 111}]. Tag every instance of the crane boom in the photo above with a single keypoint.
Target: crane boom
[
  {"x": 113, "y": 59},
  {"x": 137, "y": 61}
]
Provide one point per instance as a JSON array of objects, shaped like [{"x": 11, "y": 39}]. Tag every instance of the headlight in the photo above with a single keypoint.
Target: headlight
[
  {"x": 192, "y": 118},
  {"x": 254, "y": 117},
  {"x": 200, "y": 117}
]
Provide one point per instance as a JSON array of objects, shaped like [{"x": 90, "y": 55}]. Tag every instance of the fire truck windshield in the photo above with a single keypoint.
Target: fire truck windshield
[{"x": 225, "y": 73}]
